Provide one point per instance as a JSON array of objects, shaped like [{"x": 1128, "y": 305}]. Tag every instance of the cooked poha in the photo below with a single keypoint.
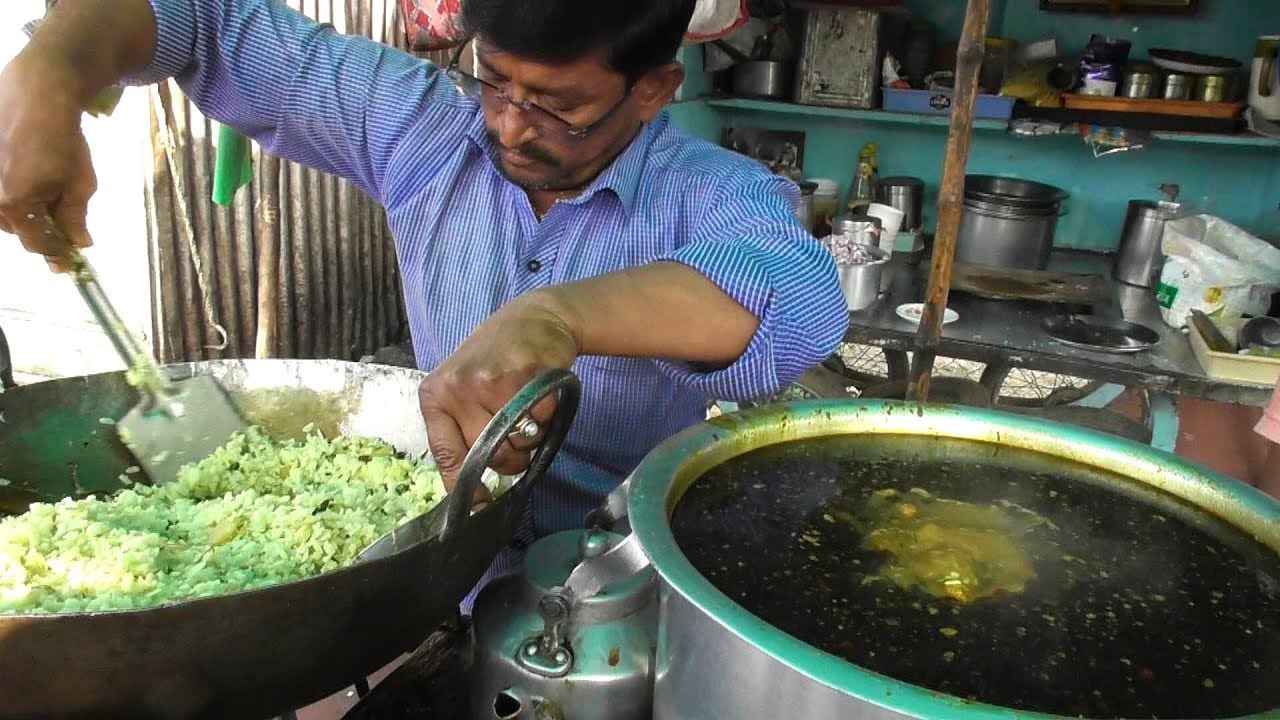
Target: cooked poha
[{"x": 257, "y": 512}]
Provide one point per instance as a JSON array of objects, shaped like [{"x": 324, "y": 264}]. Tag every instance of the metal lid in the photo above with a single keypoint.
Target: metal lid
[{"x": 904, "y": 181}]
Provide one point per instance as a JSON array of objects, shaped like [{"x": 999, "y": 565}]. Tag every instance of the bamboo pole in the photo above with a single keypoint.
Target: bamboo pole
[
  {"x": 267, "y": 216},
  {"x": 951, "y": 196}
]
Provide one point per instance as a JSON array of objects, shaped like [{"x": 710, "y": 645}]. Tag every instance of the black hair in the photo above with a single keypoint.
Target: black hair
[{"x": 637, "y": 35}]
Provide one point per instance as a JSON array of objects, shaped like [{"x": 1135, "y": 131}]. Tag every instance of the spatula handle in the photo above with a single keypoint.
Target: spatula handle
[{"x": 137, "y": 357}]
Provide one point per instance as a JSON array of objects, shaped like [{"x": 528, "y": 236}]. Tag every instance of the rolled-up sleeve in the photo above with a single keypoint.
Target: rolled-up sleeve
[
  {"x": 338, "y": 103},
  {"x": 749, "y": 244}
]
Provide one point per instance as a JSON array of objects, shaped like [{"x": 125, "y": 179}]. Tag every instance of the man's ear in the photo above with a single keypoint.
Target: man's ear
[{"x": 657, "y": 89}]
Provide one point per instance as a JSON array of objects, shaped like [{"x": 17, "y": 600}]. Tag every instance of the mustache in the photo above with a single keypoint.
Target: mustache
[{"x": 530, "y": 150}]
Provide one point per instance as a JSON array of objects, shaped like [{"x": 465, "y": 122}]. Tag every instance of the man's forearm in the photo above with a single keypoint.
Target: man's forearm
[
  {"x": 664, "y": 310},
  {"x": 97, "y": 42}
]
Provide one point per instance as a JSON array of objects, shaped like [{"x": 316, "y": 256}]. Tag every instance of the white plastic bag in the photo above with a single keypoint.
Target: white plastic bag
[
  {"x": 1215, "y": 267},
  {"x": 713, "y": 19}
]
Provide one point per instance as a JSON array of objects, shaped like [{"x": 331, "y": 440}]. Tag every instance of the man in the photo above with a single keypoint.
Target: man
[{"x": 547, "y": 214}]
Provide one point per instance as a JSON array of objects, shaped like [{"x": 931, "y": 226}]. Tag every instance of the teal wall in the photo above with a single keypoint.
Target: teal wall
[{"x": 1240, "y": 183}]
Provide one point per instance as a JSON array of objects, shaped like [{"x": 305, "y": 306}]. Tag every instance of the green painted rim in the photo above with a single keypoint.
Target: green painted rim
[{"x": 663, "y": 476}]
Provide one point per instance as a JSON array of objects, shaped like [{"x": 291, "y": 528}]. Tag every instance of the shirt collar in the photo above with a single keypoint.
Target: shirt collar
[{"x": 622, "y": 177}]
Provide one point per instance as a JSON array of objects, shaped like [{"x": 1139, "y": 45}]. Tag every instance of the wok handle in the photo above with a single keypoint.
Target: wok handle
[{"x": 501, "y": 427}]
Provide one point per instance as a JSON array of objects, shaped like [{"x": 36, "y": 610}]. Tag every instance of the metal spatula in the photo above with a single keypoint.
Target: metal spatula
[{"x": 177, "y": 422}]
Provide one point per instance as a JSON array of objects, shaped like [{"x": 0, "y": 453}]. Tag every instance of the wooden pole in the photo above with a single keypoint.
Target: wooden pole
[
  {"x": 267, "y": 233},
  {"x": 951, "y": 195}
]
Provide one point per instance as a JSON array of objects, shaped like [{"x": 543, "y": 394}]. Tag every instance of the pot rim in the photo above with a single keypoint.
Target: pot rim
[
  {"x": 663, "y": 476},
  {"x": 1038, "y": 194}
]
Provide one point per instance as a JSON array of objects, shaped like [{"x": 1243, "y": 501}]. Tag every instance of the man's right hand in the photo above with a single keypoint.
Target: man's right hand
[{"x": 46, "y": 175}]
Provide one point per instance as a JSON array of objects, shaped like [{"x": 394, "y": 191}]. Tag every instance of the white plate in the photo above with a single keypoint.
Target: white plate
[
  {"x": 912, "y": 312},
  {"x": 1164, "y": 62}
]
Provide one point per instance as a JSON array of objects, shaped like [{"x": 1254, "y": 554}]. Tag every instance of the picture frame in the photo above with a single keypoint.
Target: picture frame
[{"x": 1128, "y": 7}]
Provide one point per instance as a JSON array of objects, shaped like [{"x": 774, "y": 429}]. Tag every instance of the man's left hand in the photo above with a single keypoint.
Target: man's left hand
[{"x": 532, "y": 334}]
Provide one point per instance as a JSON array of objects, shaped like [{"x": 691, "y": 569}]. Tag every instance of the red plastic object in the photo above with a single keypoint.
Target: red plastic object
[{"x": 432, "y": 24}]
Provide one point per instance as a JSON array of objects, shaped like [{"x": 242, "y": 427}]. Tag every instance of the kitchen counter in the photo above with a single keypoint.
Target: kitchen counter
[{"x": 1008, "y": 332}]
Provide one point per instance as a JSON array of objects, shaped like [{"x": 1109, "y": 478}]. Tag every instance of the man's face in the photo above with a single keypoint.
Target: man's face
[{"x": 535, "y": 150}]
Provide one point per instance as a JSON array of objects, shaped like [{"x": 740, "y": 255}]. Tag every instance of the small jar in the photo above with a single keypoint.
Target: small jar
[
  {"x": 826, "y": 205},
  {"x": 1211, "y": 88},
  {"x": 1177, "y": 86}
]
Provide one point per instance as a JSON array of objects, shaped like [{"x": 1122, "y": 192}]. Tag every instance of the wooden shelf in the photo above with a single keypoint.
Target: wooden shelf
[
  {"x": 981, "y": 125},
  {"x": 873, "y": 116}
]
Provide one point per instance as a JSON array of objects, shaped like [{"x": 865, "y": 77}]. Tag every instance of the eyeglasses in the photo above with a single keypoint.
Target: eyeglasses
[{"x": 545, "y": 122}]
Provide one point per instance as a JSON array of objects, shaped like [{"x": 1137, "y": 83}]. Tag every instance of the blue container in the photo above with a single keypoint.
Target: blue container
[{"x": 938, "y": 102}]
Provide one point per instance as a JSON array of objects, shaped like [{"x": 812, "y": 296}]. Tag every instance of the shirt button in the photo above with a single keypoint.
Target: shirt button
[{"x": 533, "y": 266}]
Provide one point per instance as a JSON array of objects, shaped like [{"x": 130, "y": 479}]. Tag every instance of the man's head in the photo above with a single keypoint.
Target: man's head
[{"x": 599, "y": 68}]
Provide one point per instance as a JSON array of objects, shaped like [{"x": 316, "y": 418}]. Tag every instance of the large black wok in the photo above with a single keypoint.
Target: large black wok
[{"x": 258, "y": 653}]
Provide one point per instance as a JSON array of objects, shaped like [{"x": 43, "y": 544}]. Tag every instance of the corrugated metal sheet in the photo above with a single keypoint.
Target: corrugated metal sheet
[{"x": 303, "y": 265}]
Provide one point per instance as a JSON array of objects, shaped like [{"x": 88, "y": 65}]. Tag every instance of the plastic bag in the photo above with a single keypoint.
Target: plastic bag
[
  {"x": 432, "y": 24},
  {"x": 436, "y": 24},
  {"x": 714, "y": 19},
  {"x": 1215, "y": 267}
]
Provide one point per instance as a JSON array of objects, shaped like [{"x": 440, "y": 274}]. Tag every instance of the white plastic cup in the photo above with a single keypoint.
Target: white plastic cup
[{"x": 890, "y": 223}]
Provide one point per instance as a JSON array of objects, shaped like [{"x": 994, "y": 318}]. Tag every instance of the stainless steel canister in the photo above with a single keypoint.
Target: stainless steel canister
[
  {"x": 905, "y": 194},
  {"x": 1140, "y": 260},
  {"x": 1177, "y": 86},
  {"x": 1139, "y": 81},
  {"x": 1211, "y": 88}
]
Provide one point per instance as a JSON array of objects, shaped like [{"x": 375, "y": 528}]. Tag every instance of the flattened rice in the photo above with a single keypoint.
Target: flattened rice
[{"x": 257, "y": 512}]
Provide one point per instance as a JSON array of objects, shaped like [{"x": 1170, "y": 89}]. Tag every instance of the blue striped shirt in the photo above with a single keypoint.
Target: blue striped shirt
[{"x": 469, "y": 241}]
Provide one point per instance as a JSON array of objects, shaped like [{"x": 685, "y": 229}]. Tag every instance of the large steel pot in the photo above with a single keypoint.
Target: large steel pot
[
  {"x": 715, "y": 659},
  {"x": 252, "y": 654},
  {"x": 1005, "y": 237},
  {"x": 1008, "y": 223}
]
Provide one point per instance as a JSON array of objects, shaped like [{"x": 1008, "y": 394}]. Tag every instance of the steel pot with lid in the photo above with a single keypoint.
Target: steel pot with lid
[
  {"x": 1008, "y": 222},
  {"x": 886, "y": 560}
]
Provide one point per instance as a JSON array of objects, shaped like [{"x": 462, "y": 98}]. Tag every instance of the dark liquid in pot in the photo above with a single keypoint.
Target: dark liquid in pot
[{"x": 1142, "y": 606}]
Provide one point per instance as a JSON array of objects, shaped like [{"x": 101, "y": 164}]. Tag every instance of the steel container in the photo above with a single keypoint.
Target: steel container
[
  {"x": 861, "y": 283},
  {"x": 717, "y": 660},
  {"x": 1140, "y": 260},
  {"x": 1002, "y": 237},
  {"x": 1008, "y": 222},
  {"x": 1177, "y": 86},
  {"x": 763, "y": 79},
  {"x": 907, "y": 195},
  {"x": 840, "y": 59},
  {"x": 1212, "y": 88}
]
